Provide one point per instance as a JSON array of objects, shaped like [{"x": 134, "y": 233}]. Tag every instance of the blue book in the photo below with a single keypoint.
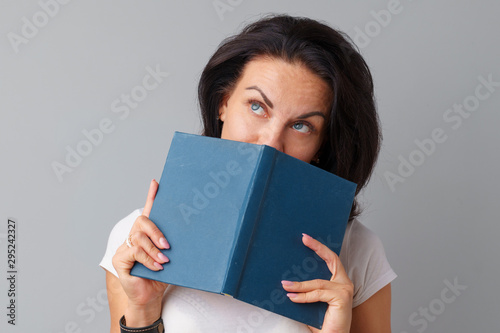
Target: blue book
[{"x": 234, "y": 214}]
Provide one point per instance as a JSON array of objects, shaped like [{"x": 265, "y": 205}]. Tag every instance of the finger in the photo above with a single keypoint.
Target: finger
[
  {"x": 125, "y": 257},
  {"x": 341, "y": 295},
  {"x": 153, "y": 188},
  {"x": 306, "y": 286},
  {"x": 145, "y": 225},
  {"x": 140, "y": 239},
  {"x": 313, "y": 329},
  {"x": 330, "y": 257},
  {"x": 311, "y": 285}
]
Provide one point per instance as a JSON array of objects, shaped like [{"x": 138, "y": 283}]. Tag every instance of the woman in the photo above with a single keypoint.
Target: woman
[{"x": 299, "y": 86}]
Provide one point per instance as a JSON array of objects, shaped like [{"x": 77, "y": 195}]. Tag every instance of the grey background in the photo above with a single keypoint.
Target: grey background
[{"x": 440, "y": 224}]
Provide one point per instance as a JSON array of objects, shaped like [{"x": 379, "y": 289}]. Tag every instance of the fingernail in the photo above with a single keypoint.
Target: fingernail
[
  {"x": 163, "y": 257},
  {"x": 157, "y": 265},
  {"x": 287, "y": 283},
  {"x": 306, "y": 235},
  {"x": 164, "y": 243},
  {"x": 291, "y": 295}
]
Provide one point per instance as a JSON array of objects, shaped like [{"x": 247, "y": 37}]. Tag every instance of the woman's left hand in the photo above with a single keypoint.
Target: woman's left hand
[{"x": 337, "y": 292}]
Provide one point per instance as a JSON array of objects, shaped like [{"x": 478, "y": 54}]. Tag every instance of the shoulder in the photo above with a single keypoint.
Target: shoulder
[
  {"x": 121, "y": 229},
  {"x": 117, "y": 236},
  {"x": 360, "y": 242},
  {"x": 365, "y": 261}
]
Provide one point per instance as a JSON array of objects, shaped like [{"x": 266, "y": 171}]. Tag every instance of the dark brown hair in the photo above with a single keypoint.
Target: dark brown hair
[{"x": 352, "y": 136}]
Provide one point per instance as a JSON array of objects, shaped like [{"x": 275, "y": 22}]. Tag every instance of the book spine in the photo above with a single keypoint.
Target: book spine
[{"x": 249, "y": 219}]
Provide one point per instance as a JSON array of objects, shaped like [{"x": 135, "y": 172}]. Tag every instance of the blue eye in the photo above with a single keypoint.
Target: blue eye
[
  {"x": 257, "y": 108},
  {"x": 301, "y": 127}
]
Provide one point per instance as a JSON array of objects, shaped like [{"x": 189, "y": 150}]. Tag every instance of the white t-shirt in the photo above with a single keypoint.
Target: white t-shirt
[{"x": 188, "y": 310}]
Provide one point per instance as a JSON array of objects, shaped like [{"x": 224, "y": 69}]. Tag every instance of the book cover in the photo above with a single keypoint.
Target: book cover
[{"x": 234, "y": 214}]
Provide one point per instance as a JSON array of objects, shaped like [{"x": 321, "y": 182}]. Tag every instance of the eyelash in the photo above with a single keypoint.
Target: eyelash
[{"x": 262, "y": 105}]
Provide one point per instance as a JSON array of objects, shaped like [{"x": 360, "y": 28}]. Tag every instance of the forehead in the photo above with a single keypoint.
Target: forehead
[{"x": 287, "y": 83}]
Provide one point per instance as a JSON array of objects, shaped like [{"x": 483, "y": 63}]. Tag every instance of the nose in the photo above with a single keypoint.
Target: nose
[{"x": 272, "y": 137}]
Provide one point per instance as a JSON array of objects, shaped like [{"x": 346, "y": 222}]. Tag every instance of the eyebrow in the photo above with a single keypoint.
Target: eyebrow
[
  {"x": 313, "y": 113},
  {"x": 268, "y": 102}
]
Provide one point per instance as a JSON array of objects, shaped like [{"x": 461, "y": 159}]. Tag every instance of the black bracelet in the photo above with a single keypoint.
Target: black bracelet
[{"x": 156, "y": 327}]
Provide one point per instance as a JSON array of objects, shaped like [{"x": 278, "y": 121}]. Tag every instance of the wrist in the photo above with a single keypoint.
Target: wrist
[
  {"x": 140, "y": 315},
  {"x": 156, "y": 327}
]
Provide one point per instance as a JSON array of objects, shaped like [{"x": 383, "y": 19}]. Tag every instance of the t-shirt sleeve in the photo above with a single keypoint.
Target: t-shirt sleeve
[
  {"x": 366, "y": 263},
  {"x": 118, "y": 235}
]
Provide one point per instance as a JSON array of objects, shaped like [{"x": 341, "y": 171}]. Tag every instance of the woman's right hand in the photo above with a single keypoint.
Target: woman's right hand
[{"x": 144, "y": 295}]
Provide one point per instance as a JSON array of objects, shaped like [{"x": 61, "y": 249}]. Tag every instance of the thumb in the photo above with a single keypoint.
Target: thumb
[
  {"x": 153, "y": 188},
  {"x": 313, "y": 329}
]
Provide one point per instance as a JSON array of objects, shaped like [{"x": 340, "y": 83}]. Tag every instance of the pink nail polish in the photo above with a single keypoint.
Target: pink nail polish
[
  {"x": 287, "y": 283},
  {"x": 291, "y": 295},
  {"x": 163, "y": 257},
  {"x": 164, "y": 243},
  {"x": 306, "y": 236},
  {"x": 157, "y": 265}
]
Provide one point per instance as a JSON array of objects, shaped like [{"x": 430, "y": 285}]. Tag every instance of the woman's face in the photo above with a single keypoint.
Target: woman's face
[{"x": 279, "y": 104}]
